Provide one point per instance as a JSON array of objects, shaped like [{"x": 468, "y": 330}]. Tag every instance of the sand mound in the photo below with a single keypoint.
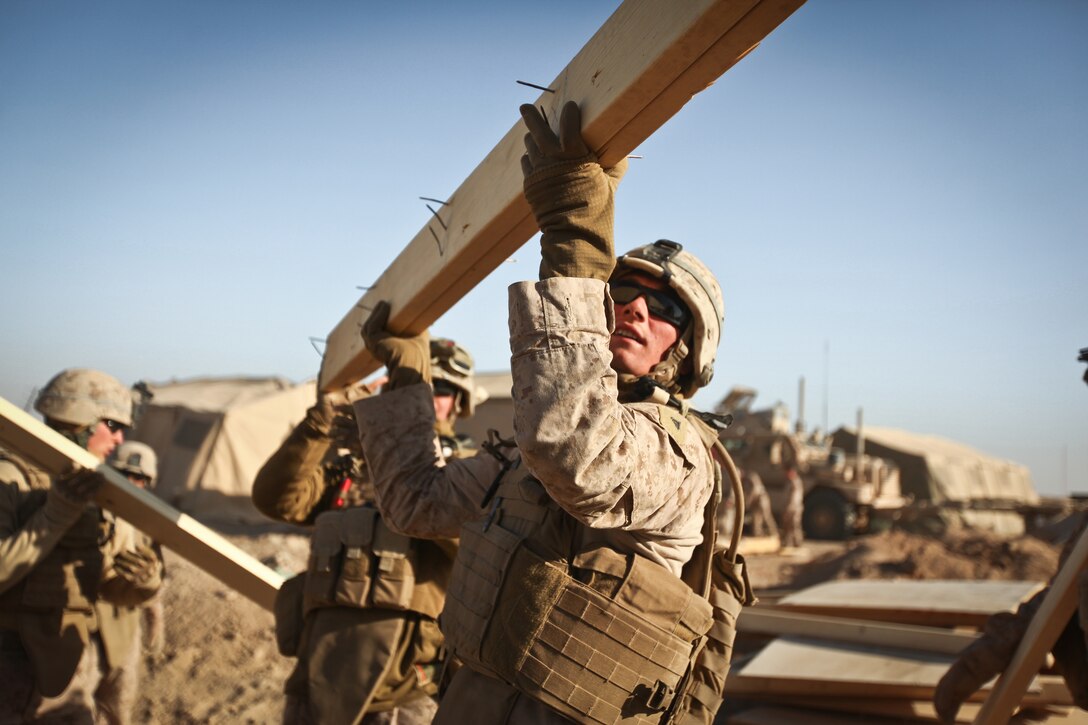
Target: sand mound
[{"x": 957, "y": 555}]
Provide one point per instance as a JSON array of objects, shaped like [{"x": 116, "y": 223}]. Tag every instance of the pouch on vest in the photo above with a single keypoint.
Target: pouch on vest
[
  {"x": 356, "y": 528},
  {"x": 614, "y": 650},
  {"x": 394, "y": 576},
  {"x": 288, "y": 613},
  {"x": 611, "y": 643},
  {"x": 324, "y": 568}
]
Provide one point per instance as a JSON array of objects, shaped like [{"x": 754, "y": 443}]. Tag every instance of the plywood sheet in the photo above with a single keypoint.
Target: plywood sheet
[{"x": 937, "y": 603}]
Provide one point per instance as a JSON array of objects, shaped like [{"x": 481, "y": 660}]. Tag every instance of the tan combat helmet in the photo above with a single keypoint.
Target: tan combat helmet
[
  {"x": 453, "y": 364},
  {"x": 81, "y": 397},
  {"x": 136, "y": 458},
  {"x": 697, "y": 288}
]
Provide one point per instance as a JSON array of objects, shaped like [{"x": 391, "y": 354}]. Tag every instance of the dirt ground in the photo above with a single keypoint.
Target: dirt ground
[{"x": 219, "y": 663}]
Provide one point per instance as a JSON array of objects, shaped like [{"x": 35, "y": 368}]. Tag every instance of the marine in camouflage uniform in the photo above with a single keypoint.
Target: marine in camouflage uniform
[
  {"x": 66, "y": 566},
  {"x": 597, "y": 513},
  {"x": 120, "y": 684},
  {"x": 366, "y": 640}
]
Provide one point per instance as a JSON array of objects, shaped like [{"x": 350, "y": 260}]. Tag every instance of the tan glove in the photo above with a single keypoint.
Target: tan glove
[
  {"x": 571, "y": 196},
  {"x": 139, "y": 567},
  {"x": 408, "y": 359},
  {"x": 78, "y": 486},
  {"x": 982, "y": 660}
]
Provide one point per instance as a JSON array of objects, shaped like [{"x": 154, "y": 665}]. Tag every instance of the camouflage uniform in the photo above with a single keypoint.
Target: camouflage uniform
[
  {"x": 117, "y": 693},
  {"x": 791, "y": 530},
  {"x": 582, "y": 585},
  {"x": 369, "y": 664},
  {"x": 614, "y": 467},
  {"x": 759, "y": 504},
  {"x": 60, "y": 583}
]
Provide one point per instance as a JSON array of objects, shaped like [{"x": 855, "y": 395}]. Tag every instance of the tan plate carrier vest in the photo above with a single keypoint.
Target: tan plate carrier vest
[
  {"x": 597, "y": 635},
  {"x": 53, "y": 606},
  {"x": 358, "y": 561}
]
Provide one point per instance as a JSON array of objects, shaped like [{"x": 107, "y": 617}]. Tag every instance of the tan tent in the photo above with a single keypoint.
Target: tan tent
[
  {"x": 213, "y": 435},
  {"x": 946, "y": 472}
]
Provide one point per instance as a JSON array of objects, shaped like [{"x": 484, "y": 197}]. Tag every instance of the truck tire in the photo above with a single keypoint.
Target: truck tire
[{"x": 827, "y": 516}]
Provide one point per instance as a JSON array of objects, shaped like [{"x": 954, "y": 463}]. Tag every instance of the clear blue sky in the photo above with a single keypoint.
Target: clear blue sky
[{"x": 196, "y": 188}]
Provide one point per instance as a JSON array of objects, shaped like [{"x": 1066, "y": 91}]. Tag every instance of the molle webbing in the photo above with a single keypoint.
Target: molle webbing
[
  {"x": 357, "y": 561},
  {"x": 598, "y": 636}
]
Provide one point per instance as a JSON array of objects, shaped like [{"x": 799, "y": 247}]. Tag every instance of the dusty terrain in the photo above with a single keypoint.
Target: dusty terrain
[{"x": 219, "y": 663}]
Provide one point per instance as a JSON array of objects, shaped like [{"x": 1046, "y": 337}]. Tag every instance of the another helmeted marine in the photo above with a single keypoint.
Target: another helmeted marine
[{"x": 361, "y": 619}]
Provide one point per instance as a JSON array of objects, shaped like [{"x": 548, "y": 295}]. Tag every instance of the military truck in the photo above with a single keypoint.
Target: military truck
[{"x": 845, "y": 493}]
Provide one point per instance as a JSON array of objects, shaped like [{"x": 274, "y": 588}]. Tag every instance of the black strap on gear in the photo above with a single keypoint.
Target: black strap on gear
[{"x": 494, "y": 445}]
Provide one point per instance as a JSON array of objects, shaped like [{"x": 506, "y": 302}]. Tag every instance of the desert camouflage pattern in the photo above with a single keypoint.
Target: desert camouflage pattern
[
  {"x": 612, "y": 466},
  {"x": 83, "y": 397},
  {"x": 636, "y": 479}
]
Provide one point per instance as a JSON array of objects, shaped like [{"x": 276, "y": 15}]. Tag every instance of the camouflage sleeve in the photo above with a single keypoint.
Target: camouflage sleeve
[
  {"x": 611, "y": 465},
  {"x": 418, "y": 494},
  {"x": 291, "y": 483},
  {"x": 25, "y": 543}
]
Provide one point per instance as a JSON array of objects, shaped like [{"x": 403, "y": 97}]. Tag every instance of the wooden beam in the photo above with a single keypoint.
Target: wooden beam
[
  {"x": 43, "y": 446},
  {"x": 1050, "y": 619},
  {"x": 757, "y": 620},
  {"x": 647, "y": 61}
]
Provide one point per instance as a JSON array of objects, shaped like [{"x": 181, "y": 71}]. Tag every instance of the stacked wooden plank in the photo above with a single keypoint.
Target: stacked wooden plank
[{"x": 871, "y": 651}]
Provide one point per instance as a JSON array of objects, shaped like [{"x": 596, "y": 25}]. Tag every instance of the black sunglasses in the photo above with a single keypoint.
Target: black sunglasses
[
  {"x": 660, "y": 304},
  {"x": 444, "y": 387},
  {"x": 113, "y": 425}
]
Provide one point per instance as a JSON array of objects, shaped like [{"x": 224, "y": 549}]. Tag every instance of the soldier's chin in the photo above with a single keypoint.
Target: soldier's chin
[{"x": 625, "y": 361}]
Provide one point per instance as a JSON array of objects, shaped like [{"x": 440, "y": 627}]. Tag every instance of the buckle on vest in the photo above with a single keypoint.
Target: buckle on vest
[{"x": 659, "y": 696}]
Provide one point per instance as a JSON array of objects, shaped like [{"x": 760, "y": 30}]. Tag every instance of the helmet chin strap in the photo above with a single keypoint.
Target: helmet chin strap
[
  {"x": 666, "y": 373},
  {"x": 80, "y": 436}
]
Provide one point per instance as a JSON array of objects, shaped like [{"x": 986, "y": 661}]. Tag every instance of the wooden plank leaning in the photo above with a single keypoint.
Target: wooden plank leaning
[
  {"x": 647, "y": 60},
  {"x": 1059, "y": 604},
  {"x": 26, "y": 435}
]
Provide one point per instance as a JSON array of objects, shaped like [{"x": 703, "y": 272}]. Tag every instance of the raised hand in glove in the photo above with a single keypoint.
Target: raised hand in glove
[
  {"x": 571, "y": 196},
  {"x": 408, "y": 359}
]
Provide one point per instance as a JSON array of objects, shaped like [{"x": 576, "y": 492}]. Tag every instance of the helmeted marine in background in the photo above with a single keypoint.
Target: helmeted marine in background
[
  {"x": 361, "y": 620},
  {"x": 586, "y": 584},
  {"x": 66, "y": 566},
  {"x": 118, "y": 691}
]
